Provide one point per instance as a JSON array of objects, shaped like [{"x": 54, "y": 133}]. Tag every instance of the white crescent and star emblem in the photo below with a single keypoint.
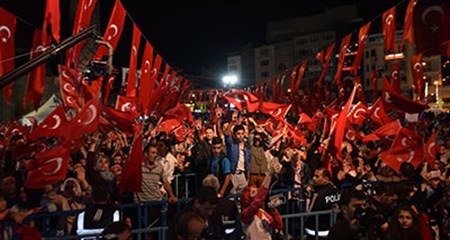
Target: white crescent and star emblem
[
  {"x": 350, "y": 136},
  {"x": 58, "y": 161},
  {"x": 92, "y": 110},
  {"x": 356, "y": 115},
  {"x": 126, "y": 107},
  {"x": 146, "y": 66},
  {"x": 389, "y": 19},
  {"x": 57, "y": 123},
  {"x": 394, "y": 74},
  {"x": 387, "y": 97},
  {"x": 429, "y": 149},
  {"x": 404, "y": 142},
  {"x": 411, "y": 156},
  {"x": 417, "y": 67},
  {"x": 6, "y": 29},
  {"x": 430, "y": 9},
  {"x": 363, "y": 38},
  {"x": 115, "y": 31},
  {"x": 86, "y": 6},
  {"x": 375, "y": 113},
  {"x": 68, "y": 88},
  {"x": 64, "y": 74},
  {"x": 70, "y": 99},
  {"x": 134, "y": 50},
  {"x": 278, "y": 112}
]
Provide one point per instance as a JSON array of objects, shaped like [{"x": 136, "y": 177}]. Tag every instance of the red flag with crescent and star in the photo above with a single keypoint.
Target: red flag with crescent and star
[
  {"x": 417, "y": 72},
  {"x": 8, "y": 29},
  {"x": 408, "y": 33},
  {"x": 241, "y": 99},
  {"x": 36, "y": 78},
  {"x": 388, "y": 21},
  {"x": 113, "y": 31},
  {"x": 48, "y": 167},
  {"x": 51, "y": 125}
]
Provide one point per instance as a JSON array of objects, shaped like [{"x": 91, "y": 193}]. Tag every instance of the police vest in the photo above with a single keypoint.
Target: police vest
[{"x": 81, "y": 230}]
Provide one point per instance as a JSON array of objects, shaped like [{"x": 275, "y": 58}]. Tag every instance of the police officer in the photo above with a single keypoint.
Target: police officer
[{"x": 325, "y": 196}]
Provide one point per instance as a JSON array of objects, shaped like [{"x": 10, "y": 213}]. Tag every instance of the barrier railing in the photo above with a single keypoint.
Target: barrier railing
[{"x": 292, "y": 212}]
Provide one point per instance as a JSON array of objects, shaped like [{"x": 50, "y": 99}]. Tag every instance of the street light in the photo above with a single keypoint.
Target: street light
[{"x": 230, "y": 79}]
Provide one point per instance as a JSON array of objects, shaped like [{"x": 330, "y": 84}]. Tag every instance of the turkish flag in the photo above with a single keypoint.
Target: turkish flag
[
  {"x": 51, "y": 125},
  {"x": 360, "y": 95},
  {"x": 14, "y": 128},
  {"x": 125, "y": 104},
  {"x": 181, "y": 113},
  {"x": 362, "y": 39},
  {"x": 407, "y": 147},
  {"x": 377, "y": 113},
  {"x": 408, "y": 25},
  {"x": 395, "y": 76},
  {"x": 343, "y": 50},
  {"x": 374, "y": 82},
  {"x": 341, "y": 124},
  {"x": 69, "y": 94},
  {"x": 384, "y": 133},
  {"x": 271, "y": 125},
  {"x": 85, "y": 122},
  {"x": 83, "y": 16},
  {"x": 241, "y": 99},
  {"x": 431, "y": 21},
  {"x": 293, "y": 77},
  {"x": 111, "y": 119},
  {"x": 417, "y": 72},
  {"x": 388, "y": 21},
  {"x": 304, "y": 118},
  {"x": 48, "y": 167},
  {"x": 132, "y": 170},
  {"x": 392, "y": 98},
  {"x": 431, "y": 150},
  {"x": 358, "y": 114},
  {"x": 36, "y": 78},
  {"x": 300, "y": 74},
  {"x": 91, "y": 88},
  {"x": 131, "y": 85},
  {"x": 144, "y": 80},
  {"x": 168, "y": 126},
  {"x": 114, "y": 30},
  {"x": 29, "y": 149},
  {"x": 181, "y": 133},
  {"x": 328, "y": 55},
  {"x": 108, "y": 86},
  {"x": 7, "y": 55},
  {"x": 275, "y": 110},
  {"x": 352, "y": 134},
  {"x": 53, "y": 18}
]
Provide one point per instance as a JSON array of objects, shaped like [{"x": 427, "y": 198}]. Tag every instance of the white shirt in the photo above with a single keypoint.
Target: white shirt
[{"x": 168, "y": 162}]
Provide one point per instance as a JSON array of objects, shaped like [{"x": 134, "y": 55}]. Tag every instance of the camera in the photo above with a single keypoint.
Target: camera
[{"x": 370, "y": 221}]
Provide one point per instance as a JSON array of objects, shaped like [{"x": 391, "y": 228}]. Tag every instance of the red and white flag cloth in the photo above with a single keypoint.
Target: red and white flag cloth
[
  {"x": 132, "y": 170},
  {"x": 48, "y": 167},
  {"x": 377, "y": 113},
  {"x": 52, "y": 18},
  {"x": 304, "y": 118},
  {"x": 85, "y": 122},
  {"x": 51, "y": 125},
  {"x": 343, "y": 50},
  {"x": 384, "y": 133},
  {"x": 362, "y": 39},
  {"x": 125, "y": 104},
  {"x": 36, "y": 78},
  {"x": 181, "y": 113},
  {"x": 417, "y": 72},
  {"x": 8, "y": 22},
  {"x": 407, "y": 147},
  {"x": 374, "y": 83},
  {"x": 131, "y": 85},
  {"x": 408, "y": 32},
  {"x": 341, "y": 124},
  {"x": 392, "y": 99},
  {"x": 394, "y": 77},
  {"x": 358, "y": 114},
  {"x": 168, "y": 126},
  {"x": 111, "y": 119},
  {"x": 431, "y": 21},
  {"x": 242, "y": 99},
  {"x": 328, "y": 55},
  {"x": 145, "y": 78},
  {"x": 275, "y": 110},
  {"x": 113, "y": 31},
  {"x": 388, "y": 20},
  {"x": 67, "y": 88},
  {"x": 431, "y": 150}
]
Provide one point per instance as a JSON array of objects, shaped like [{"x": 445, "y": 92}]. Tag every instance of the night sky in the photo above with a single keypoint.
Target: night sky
[{"x": 194, "y": 35}]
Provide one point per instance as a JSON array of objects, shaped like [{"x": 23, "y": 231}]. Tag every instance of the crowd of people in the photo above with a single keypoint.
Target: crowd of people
[{"x": 235, "y": 157}]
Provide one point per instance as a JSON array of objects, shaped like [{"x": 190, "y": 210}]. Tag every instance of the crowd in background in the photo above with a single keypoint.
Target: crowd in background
[{"x": 235, "y": 156}]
